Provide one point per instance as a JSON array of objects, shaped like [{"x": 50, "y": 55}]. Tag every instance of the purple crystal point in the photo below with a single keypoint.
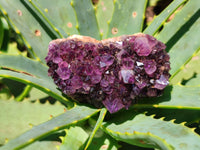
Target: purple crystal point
[
  {"x": 161, "y": 83},
  {"x": 63, "y": 70},
  {"x": 112, "y": 72},
  {"x": 149, "y": 66}
]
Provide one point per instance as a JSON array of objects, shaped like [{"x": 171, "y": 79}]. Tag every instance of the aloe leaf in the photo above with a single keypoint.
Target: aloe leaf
[
  {"x": 174, "y": 97},
  {"x": 128, "y": 17},
  {"x": 75, "y": 139},
  {"x": 104, "y": 13},
  {"x": 24, "y": 22},
  {"x": 72, "y": 116},
  {"x": 180, "y": 115},
  {"x": 190, "y": 69},
  {"x": 146, "y": 131},
  {"x": 160, "y": 19},
  {"x": 103, "y": 141},
  {"x": 43, "y": 19},
  {"x": 174, "y": 29},
  {"x": 97, "y": 126},
  {"x": 42, "y": 145},
  {"x": 60, "y": 13},
  {"x": 44, "y": 85},
  {"x": 23, "y": 115},
  {"x": 180, "y": 49},
  {"x": 1, "y": 32},
  {"x": 87, "y": 22},
  {"x": 176, "y": 102},
  {"x": 24, "y": 64}
]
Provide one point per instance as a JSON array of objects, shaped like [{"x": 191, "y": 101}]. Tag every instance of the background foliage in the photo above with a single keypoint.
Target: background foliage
[{"x": 34, "y": 111}]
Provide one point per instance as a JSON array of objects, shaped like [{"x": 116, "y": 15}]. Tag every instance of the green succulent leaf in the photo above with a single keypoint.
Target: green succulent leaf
[
  {"x": 44, "y": 85},
  {"x": 53, "y": 31},
  {"x": 177, "y": 35},
  {"x": 103, "y": 141},
  {"x": 179, "y": 114},
  {"x": 104, "y": 11},
  {"x": 42, "y": 145},
  {"x": 175, "y": 97},
  {"x": 127, "y": 18},
  {"x": 146, "y": 131},
  {"x": 87, "y": 22},
  {"x": 72, "y": 116},
  {"x": 160, "y": 19},
  {"x": 24, "y": 64},
  {"x": 176, "y": 102},
  {"x": 189, "y": 70},
  {"x": 24, "y": 21},
  {"x": 97, "y": 126},
  {"x": 62, "y": 15},
  {"x": 180, "y": 24},
  {"x": 23, "y": 115},
  {"x": 185, "y": 48},
  {"x": 75, "y": 139}
]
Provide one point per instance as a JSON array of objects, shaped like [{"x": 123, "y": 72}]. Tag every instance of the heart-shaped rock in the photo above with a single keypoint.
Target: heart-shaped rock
[{"x": 112, "y": 72}]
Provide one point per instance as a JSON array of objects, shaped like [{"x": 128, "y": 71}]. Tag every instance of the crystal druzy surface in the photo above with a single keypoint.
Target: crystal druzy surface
[{"x": 112, "y": 72}]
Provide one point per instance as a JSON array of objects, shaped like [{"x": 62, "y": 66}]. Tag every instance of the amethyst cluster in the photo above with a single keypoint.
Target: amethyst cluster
[{"x": 112, "y": 72}]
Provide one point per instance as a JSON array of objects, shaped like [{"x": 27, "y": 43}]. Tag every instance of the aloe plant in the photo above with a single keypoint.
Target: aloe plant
[{"x": 166, "y": 122}]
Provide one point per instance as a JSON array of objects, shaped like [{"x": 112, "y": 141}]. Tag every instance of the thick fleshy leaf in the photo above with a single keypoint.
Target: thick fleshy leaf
[
  {"x": 189, "y": 70},
  {"x": 42, "y": 145},
  {"x": 24, "y": 22},
  {"x": 44, "y": 85},
  {"x": 23, "y": 115},
  {"x": 87, "y": 22},
  {"x": 178, "y": 114},
  {"x": 24, "y": 64},
  {"x": 103, "y": 141},
  {"x": 128, "y": 17},
  {"x": 177, "y": 102},
  {"x": 62, "y": 15},
  {"x": 185, "y": 48},
  {"x": 159, "y": 20},
  {"x": 146, "y": 131},
  {"x": 104, "y": 13},
  {"x": 186, "y": 22},
  {"x": 75, "y": 139},
  {"x": 180, "y": 97},
  {"x": 72, "y": 116},
  {"x": 97, "y": 126},
  {"x": 182, "y": 21}
]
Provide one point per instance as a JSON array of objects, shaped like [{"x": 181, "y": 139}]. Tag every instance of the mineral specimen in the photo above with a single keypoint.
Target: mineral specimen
[{"x": 112, "y": 72}]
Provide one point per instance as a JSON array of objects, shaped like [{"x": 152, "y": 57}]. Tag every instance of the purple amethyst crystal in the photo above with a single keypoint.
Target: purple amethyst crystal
[{"x": 113, "y": 72}]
